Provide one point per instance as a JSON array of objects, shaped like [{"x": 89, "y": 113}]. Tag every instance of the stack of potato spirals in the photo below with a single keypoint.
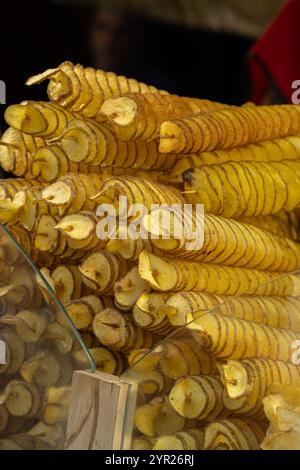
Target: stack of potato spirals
[{"x": 101, "y": 137}]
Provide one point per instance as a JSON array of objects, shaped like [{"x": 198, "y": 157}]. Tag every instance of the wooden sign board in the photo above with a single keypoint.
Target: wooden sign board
[{"x": 101, "y": 412}]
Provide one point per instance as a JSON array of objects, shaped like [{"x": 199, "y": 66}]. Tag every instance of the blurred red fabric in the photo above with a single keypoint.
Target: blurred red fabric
[{"x": 275, "y": 57}]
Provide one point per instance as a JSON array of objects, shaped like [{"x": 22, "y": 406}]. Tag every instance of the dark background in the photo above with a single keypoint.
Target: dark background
[{"x": 36, "y": 35}]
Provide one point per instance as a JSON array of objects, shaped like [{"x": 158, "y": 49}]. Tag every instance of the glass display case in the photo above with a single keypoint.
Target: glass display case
[
  {"x": 38, "y": 343},
  {"x": 200, "y": 387}
]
